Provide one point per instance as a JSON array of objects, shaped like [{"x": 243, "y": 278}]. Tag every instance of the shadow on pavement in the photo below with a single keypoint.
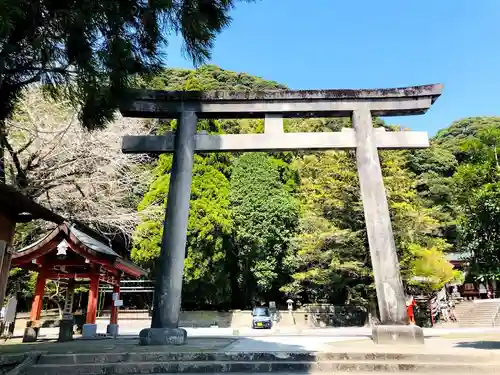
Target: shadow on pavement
[{"x": 478, "y": 344}]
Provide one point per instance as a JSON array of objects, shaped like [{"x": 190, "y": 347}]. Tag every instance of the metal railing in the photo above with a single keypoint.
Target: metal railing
[
  {"x": 131, "y": 286},
  {"x": 496, "y": 315}
]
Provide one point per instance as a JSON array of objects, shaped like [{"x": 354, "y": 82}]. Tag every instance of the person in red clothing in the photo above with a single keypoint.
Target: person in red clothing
[{"x": 410, "y": 305}]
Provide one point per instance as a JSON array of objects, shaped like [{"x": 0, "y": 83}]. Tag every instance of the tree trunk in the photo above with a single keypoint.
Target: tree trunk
[
  {"x": 58, "y": 304},
  {"x": 8, "y": 96},
  {"x": 496, "y": 156},
  {"x": 232, "y": 270},
  {"x": 2, "y": 152},
  {"x": 60, "y": 309}
]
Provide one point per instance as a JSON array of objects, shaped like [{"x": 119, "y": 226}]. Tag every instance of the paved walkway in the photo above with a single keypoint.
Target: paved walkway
[
  {"x": 120, "y": 345},
  {"x": 473, "y": 344},
  {"x": 347, "y": 333},
  {"x": 320, "y": 339},
  {"x": 479, "y": 345},
  {"x": 331, "y": 339}
]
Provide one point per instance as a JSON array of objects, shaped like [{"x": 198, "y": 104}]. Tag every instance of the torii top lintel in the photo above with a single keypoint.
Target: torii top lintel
[{"x": 413, "y": 100}]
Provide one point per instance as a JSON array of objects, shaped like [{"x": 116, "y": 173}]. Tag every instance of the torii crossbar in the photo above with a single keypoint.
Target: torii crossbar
[{"x": 273, "y": 106}]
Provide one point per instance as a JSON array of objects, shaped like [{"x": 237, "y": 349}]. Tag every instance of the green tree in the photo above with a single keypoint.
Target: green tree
[
  {"x": 210, "y": 226},
  {"x": 457, "y": 177},
  {"x": 459, "y": 132},
  {"x": 331, "y": 263},
  {"x": 208, "y": 77},
  {"x": 431, "y": 270},
  {"x": 93, "y": 47},
  {"x": 317, "y": 251},
  {"x": 452, "y": 167},
  {"x": 419, "y": 229},
  {"x": 89, "y": 50},
  {"x": 211, "y": 267},
  {"x": 477, "y": 193},
  {"x": 265, "y": 215}
]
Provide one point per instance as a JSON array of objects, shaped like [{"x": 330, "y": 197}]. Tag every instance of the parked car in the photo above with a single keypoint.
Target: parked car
[{"x": 261, "y": 318}]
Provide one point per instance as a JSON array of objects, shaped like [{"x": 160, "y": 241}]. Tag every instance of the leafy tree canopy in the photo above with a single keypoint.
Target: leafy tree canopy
[
  {"x": 89, "y": 50},
  {"x": 268, "y": 226}
]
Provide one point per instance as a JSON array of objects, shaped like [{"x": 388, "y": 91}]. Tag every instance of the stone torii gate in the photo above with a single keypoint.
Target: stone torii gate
[{"x": 361, "y": 105}]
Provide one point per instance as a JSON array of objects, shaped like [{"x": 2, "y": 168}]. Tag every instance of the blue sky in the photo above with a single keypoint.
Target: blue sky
[{"x": 370, "y": 44}]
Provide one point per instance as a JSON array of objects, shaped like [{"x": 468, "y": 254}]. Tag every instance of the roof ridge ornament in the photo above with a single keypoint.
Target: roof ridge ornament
[{"x": 62, "y": 248}]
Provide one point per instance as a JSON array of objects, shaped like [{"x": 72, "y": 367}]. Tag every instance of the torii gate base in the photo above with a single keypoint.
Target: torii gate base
[{"x": 361, "y": 105}]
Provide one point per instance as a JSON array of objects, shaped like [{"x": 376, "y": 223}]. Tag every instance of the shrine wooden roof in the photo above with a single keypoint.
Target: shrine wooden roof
[
  {"x": 23, "y": 209},
  {"x": 85, "y": 251}
]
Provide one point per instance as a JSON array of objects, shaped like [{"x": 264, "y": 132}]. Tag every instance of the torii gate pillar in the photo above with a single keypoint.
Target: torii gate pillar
[{"x": 361, "y": 105}]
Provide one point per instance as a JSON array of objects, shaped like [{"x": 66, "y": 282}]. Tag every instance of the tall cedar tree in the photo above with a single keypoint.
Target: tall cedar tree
[{"x": 89, "y": 50}]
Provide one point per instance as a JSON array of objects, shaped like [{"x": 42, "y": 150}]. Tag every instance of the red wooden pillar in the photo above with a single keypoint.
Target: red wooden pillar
[
  {"x": 92, "y": 304},
  {"x": 114, "y": 309},
  {"x": 36, "y": 307}
]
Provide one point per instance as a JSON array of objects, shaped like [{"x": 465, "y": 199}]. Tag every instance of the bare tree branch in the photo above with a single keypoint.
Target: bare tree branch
[
  {"x": 15, "y": 159},
  {"x": 78, "y": 174}
]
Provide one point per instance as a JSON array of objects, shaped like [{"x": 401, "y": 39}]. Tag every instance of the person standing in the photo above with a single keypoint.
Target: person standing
[
  {"x": 451, "y": 306},
  {"x": 410, "y": 306},
  {"x": 444, "y": 307},
  {"x": 483, "y": 292}
]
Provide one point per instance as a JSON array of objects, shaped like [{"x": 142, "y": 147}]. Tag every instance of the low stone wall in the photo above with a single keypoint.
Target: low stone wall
[
  {"x": 331, "y": 316},
  {"x": 307, "y": 317}
]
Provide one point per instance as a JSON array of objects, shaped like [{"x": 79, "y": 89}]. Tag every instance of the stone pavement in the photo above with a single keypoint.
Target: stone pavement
[
  {"x": 289, "y": 354},
  {"x": 131, "y": 330},
  {"x": 264, "y": 341},
  {"x": 120, "y": 345},
  {"x": 476, "y": 344}
]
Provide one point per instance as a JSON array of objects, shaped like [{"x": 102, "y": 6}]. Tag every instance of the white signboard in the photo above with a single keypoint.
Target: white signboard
[
  {"x": 118, "y": 303},
  {"x": 116, "y": 296},
  {"x": 10, "y": 310}
]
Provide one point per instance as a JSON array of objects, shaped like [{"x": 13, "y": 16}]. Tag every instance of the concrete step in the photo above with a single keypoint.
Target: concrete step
[
  {"x": 259, "y": 362},
  {"x": 480, "y": 314},
  {"x": 442, "y": 324},
  {"x": 98, "y": 358},
  {"x": 480, "y": 311},
  {"x": 479, "y": 318},
  {"x": 312, "y": 372},
  {"x": 480, "y": 321},
  {"x": 261, "y": 367},
  {"x": 476, "y": 325},
  {"x": 475, "y": 314}
]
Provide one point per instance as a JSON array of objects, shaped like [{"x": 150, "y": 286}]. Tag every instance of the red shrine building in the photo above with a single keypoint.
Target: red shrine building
[{"x": 77, "y": 254}]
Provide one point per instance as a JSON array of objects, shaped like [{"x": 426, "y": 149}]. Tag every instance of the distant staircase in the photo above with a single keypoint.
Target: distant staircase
[{"x": 478, "y": 313}]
